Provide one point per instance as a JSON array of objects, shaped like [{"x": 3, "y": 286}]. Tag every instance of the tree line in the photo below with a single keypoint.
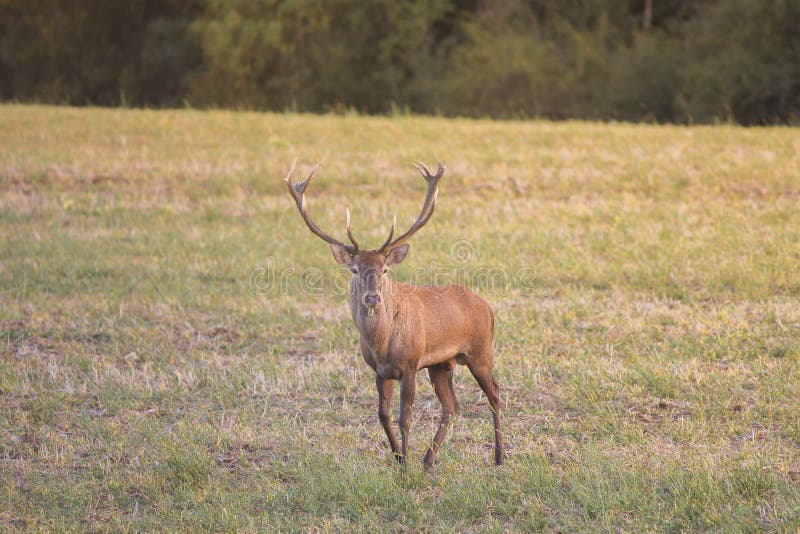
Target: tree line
[{"x": 683, "y": 61}]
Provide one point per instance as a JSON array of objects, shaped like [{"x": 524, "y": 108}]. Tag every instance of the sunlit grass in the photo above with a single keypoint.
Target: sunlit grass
[{"x": 649, "y": 358}]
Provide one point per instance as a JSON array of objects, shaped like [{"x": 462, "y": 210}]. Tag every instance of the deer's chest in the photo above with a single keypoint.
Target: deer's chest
[
  {"x": 388, "y": 370},
  {"x": 390, "y": 358},
  {"x": 390, "y": 347},
  {"x": 388, "y": 363}
]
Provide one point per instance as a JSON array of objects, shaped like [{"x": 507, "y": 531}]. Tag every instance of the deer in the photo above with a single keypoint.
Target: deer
[{"x": 406, "y": 328}]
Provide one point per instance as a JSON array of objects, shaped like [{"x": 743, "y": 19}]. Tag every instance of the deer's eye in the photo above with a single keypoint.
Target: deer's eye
[{"x": 354, "y": 270}]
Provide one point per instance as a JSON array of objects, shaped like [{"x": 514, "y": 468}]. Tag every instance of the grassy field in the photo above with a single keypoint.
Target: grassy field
[{"x": 177, "y": 353}]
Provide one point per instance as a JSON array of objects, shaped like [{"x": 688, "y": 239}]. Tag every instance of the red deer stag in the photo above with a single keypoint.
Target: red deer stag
[{"x": 406, "y": 328}]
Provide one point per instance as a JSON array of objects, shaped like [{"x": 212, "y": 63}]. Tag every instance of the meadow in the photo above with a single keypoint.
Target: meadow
[{"x": 177, "y": 353}]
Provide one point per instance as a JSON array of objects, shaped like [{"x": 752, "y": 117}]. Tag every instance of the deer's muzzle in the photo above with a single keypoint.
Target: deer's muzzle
[{"x": 372, "y": 299}]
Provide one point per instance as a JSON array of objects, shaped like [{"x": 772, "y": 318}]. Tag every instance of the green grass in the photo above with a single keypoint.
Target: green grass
[{"x": 648, "y": 325}]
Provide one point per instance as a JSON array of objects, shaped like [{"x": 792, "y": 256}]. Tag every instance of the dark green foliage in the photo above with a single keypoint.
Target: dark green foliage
[
  {"x": 315, "y": 56},
  {"x": 519, "y": 61},
  {"x": 699, "y": 61},
  {"x": 106, "y": 52},
  {"x": 745, "y": 62},
  {"x": 646, "y": 81}
]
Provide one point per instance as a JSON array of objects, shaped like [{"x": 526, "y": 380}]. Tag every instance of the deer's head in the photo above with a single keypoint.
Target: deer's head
[{"x": 369, "y": 267}]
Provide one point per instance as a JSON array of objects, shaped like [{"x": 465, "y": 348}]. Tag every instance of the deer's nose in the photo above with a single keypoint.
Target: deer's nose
[{"x": 372, "y": 299}]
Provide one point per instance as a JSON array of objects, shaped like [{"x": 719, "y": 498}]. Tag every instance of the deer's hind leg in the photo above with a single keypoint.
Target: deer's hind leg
[
  {"x": 442, "y": 379},
  {"x": 480, "y": 365}
]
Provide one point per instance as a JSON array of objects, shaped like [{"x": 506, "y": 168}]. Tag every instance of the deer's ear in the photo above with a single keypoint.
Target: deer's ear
[
  {"x": 396, "y": 255},
  {"x": 340, "y": 254}
]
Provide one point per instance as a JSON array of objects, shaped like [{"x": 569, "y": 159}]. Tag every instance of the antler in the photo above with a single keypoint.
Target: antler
[
  {"x": 298, "y": 190},
  {"x": 427, "y": 206}
]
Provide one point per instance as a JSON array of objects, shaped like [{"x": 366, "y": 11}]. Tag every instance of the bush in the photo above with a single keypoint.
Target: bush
[
  {"x": 702, "y": 61},
  {"x": 744, "y": 62}
]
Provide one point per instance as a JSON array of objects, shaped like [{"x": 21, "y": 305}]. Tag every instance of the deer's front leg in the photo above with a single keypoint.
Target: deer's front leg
[
  {"x": 385, "y": 390},
  {"x": 408, "y": 390}
]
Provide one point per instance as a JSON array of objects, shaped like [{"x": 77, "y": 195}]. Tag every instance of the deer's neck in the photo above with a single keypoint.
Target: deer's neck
[{"x": 376, "y": 328}]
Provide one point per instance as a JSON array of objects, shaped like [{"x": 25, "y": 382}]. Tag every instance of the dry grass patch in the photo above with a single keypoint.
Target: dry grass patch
[{"x": 648, "y": 324}]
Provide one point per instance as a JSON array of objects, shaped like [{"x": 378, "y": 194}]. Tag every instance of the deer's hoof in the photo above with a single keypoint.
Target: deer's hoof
[{"x": 428, "y": 462}]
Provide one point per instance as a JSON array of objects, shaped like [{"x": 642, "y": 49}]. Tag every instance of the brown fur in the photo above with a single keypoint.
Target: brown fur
[
  {"x": 405, "y": 328},
  {"x": 419, "y": 327}
]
